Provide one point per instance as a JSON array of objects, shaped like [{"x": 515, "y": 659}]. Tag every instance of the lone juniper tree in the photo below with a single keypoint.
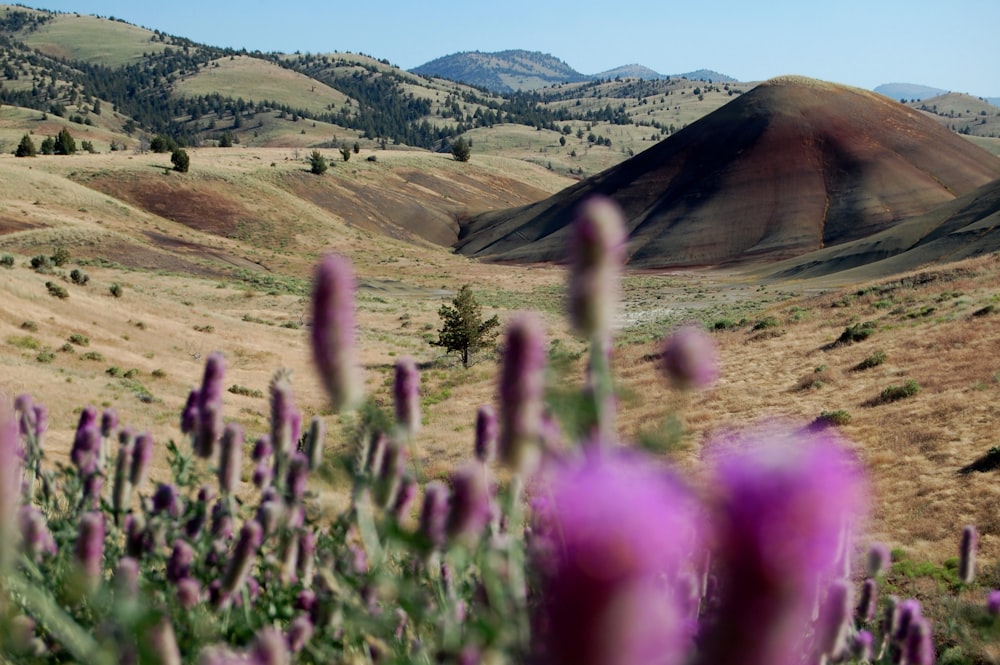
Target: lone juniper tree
[{"x": 463, "y": 328}]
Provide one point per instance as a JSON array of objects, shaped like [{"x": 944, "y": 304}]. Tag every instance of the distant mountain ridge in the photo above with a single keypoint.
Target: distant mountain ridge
[
  {"x": 513, "y": 70},
  {"x": 913, "y": 91}
]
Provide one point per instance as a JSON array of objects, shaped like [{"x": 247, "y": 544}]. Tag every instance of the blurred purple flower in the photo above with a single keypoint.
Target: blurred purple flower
[
  {"x": 298, "y": 477},
  {"x": 879, "y": 559},
  {"x": 470, "y": 503},
  {"x": 126, "y": 579},
  {"x": 189, "y": 415},
  {"x": 269, "y": 648},
  {"x": 89, "y": 550},
  {"x": 285, "y": 418},
  {"x": 121, "y": 491},
  {"x": 230, "y": 458},
  {"x": 862, "y": 646},
  {"x": 166, "y": 500},
  {"x": 597, "y": 253},
  {"x": 188, "y": 593},
  {"x": 159, "y": 639},
  {"x": 406, "y": 396},
  {"x": 404, "y": 498},
  {"x": 179, "y": 564},
  {"x": 36, "y": 539},
  {"x": 210, "y": 423},
  {"x": 868, "y": 602},
  {"x": 262, "y": 475},
  {"x": 300, "y": 631},
  {"x": 85, "y": 452},
  {"x": 610, "y": 536},
  {"x": 262, "y": 448},
  {"x": 243, "y": 558},
  {"x": 109, "y": 422},
  {"x": 142, "y": 453},
  {"x": 306, "y": 559},
  {"x": 522, "y": 387},
  {"x": 907, "y": 612},
  {"x": 785, "y": 500},
  {"x": 434, "y": 514},
  {"x": 919, "y": 646},
  {"x": 967, "y": 554},
  {"x": 485, "y": 447},
  {"x": 390, "y": 474},
  {"x": 333, "y": 330},
  {"x": 833, "y": 626},
  {"x": 92, "y": 486},
  {"x": 690, "y": 358},
  {"x": 993, "y": 603},
  {"x": 315, "y": 442}
]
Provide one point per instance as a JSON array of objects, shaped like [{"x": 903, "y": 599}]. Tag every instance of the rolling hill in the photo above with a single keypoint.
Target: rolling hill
[
  {"x": 502, "y": 71},
  {"x": 790, "y": 167}
]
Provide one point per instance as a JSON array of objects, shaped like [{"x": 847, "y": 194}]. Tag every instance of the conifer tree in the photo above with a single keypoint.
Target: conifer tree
[{"x": 463, "y": 328}]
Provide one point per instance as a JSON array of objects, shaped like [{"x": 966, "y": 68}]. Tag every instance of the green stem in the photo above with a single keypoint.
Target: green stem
[
  {"x": 515, "y": 530},
  {"x": 602, "y": 388}
]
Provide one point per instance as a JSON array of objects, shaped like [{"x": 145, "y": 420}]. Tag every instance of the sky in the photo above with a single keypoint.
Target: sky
[{"x": 863, "y": 43}]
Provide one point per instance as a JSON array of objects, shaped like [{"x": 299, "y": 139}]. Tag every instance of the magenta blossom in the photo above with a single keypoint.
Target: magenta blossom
[
  {"x": 612, "y": 535},
  {"x": 786, "y": 500}
]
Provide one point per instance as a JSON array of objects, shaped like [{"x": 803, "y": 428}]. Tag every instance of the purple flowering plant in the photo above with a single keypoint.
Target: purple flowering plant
[{"x": 535, "y": 550}]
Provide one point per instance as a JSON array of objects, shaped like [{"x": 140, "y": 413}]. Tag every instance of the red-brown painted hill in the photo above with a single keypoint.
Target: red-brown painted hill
[{"x": 790, "y": 167}]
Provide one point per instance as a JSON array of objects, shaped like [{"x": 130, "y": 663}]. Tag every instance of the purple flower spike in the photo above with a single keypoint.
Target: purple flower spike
[
  {"x": 166, "y": 500},
  {"x": 390, "y": 474},
  {"x": 126, "y": 579},
  {"x": 333, "y": 336},
  {"x": 160, "y": 639},
  {"x": 270, "y": 648},
  {"x": 406, "y": 393},
  {"x": 834, "y": 623},
  {"x": 879, "y": 559},
  {"x": 865, "y": 610},
  {"x": 89, "y": 551},
  {"x": 188, "y": 593},
  {"x": 121, "y": 492},
  {"x": 486, "y": 434},
  {"x": 41, "y": 421},
  {"x": 404, "y": 498},
  {"x": 36, "y": 539},
  {"x": 298, "y": 477},
  {"x": 142, "y": 453},
  {"x": 243, "y": 558},
  {"x": 610, "y": 537},
  {"x": 967, "y": 554},
  {"x": 306, "y": 557},
  {"x": 109, "y": 423},
  {"x": 300, "y": 631},
  {"x": 86, "y": 447},
  {"x": 92, "y": 486},
  {"x": 522, "y": 387},
  {"x": 231, "y": 458},
  {"x": 785, "y": 500},
  {"x": 919, "y": 647},
  {"x": 690, "y": 358},
  {"x": 908, "y": 611},
  {"x": 862, "y": 646},
  {"x": 179, "y": 563},
  {"x": 10, "y": 480},
  {"x": 284, "y": 431},
  {"x": 993, "y": 603},
  {"x": 597, "y": 252},
  {"x": 470, "y": 503},
  {"x": 189, "y": 415},
  {"x": 261, "y": 448},
  {"x": 434, "y": 514},
  {"x": 262, "y": 475},
  {"x": 210, "y": 406}
]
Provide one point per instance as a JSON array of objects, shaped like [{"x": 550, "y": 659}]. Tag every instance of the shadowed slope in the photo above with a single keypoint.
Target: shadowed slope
[
  {"x": 790, "y": 167},
  {"x": 966, "y": 227}
]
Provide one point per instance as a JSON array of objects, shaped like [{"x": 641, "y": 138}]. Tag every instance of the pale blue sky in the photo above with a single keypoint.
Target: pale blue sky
[{"x": 858, "y": 42}]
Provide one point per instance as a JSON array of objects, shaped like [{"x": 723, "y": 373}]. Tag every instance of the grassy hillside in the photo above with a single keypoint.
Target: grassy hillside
[{"x": 94, "y": 40}]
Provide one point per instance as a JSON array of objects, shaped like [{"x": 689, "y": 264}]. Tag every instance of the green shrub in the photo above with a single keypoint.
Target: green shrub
[
  {"x": 205, "y": 329},
  {"x": 41, "y": 263},
  {"x": 766, "y": 323},
  {"x": 45, "y": 356},
  {"x": 93, "y": 355},
  {"x": 29, "y": 325},
  {"x": 114, "y": 371},
  {"x": 67, "y": 348},
  {"x": 77, "y": 276},
  {"x": 874, "y": 360},
  {"x": 983, "y": 311},
  {"x": 116, "y": 290},
  {"x": 246, "y": 392},
  {"x": 60, "y": 256},
  {"x": 26, "y": 342},
  {"x": 7, "y": 261},
  {"x": 892, "y": 393},
  {"x": 292, "y": 325},
  {"x": 79, "y": 340},
  {"x": 159, "y": 373},
  {"x": 56, "y": 290},
  {"x": 835, "y": 418},
  {"x": 857, "y": 332}
]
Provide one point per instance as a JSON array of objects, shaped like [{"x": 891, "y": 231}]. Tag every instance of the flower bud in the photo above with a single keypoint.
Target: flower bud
[
  {"x": 179, "y": 563},
  {"x": 189, "y": 415},
  {"x": 89, "y": 550},
  {"x": 159, "y": 639},
  {"x": 188, "y": 593},
  {"x": 142, "y": 453},
  {"x": 434, "y": 514},
  {"x": 690, "y": 358},
  {"x": 243, "y": 557},
  {"x": 404, "y": 498},
  {"x": 879, "y": 560},
  {"x": 166, "y": 500},
  {"x": 406, "y": 393},
  {"x": 210, "y": 406},
  {"x": 993, "y": 603},
  {"x": 126, "y": 579},
  {"x": 300, "y": 631},
  {"x": 285, "y": 418},
  {"x": 522, "y": 387},
  {"x": 919, "y": 646},
  {"x": 333, "y": 330},
  {"x": 315, "y": 441},
  {"x": 486, "y": 434},
  {"x": 597, "y": 252},
  {"x": 261, "y": 448},
  {"x": 270, "y": 648},
  {"x": 298, "y": 477},
  {"x": 470, "y": 503},
  {"x": 834, "y": 620},
  {"x": 121, "y": 492},
  {"x": 967, "y": 554},
  {"x": 231, "y": 458},
  {"x": 36, "y": 539},
  {"x": 865, "y": 611}
]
